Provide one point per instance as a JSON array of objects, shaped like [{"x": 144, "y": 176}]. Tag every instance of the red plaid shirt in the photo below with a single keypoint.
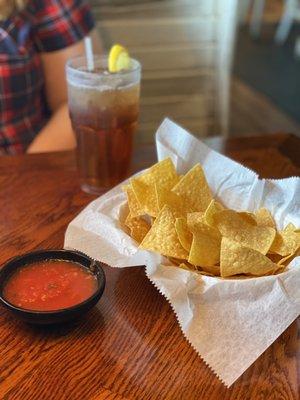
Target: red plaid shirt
[{"x": 44, "y": 26}]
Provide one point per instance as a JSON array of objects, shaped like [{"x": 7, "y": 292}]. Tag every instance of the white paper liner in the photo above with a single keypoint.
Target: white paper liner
[{"x": 229, "y": 322}]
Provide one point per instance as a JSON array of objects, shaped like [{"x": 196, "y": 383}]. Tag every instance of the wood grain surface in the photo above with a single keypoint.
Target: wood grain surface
[{"x": 130, "y": 345}]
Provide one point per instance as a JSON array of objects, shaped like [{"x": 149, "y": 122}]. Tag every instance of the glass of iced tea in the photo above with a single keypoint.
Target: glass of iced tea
[{"x": 104, "y": 111}]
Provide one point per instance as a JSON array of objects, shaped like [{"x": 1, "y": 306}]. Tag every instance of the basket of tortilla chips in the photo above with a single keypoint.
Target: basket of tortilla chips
[{"x": 221, "y": 244}]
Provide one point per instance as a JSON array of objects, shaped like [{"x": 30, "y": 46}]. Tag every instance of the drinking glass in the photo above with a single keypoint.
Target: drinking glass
[{"x": 104, "y": 111}]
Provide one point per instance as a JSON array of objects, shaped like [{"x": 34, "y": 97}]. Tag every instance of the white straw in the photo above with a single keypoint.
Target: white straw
[{"x": 89, "y": 53}]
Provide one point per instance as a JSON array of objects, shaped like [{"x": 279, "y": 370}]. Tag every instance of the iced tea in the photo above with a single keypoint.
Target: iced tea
[{"x": 104, "y": 111}]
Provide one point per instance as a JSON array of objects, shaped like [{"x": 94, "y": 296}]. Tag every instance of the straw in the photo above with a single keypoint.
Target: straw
[{"x": 89, "y": 53}]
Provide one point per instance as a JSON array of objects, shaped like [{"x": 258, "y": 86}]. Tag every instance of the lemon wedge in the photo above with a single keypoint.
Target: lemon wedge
[{"x": 118, "y": 59}]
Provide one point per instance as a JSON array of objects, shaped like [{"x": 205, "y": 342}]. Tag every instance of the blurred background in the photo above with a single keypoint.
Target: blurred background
[{"x": 214, "y": 66}]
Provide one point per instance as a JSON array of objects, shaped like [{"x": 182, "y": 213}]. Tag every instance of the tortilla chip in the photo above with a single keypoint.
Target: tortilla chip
[
  {"x": 162, "y": 236},
  {"x": 213, "y": 270},
  {"x": 146, "y": 196},
  {"x": 264, "y": 218},
  {"x": 213, "y": 208},
  {"x": 237, "y": 259},
  {"x": 205, "y": 249},
  {"x": 167, "y": 197},
  {"x": 275, "y": 258},
  {"x": 236, "y": 228},
  {"x": 202, "y": 272},
  {"x": 195, "y": 218},
  {"x": 290, "y": 227},
  {"x": 248, "y": 217},
  {"x": 184, "y": 235},
  {"x": 286, "y": 242},
  {"x": 175, "y": 261},
  {"x": 287, "y": 259},
  {"x": 207, "y": 271},
  {"x": 133, "y": 204},
  {"x": 138, "y": 227},
  {"x": 161, "y": 175},
  {"x": 194, "y": 190},
  {"x": 187, "y": 267}
]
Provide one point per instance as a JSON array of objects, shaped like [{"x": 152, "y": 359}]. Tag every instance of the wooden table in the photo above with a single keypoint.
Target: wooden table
[{"x": 130, "y": 345}]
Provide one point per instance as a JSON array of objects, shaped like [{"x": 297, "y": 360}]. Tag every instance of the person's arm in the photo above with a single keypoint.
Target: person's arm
[{"x": 57, "y": 134}]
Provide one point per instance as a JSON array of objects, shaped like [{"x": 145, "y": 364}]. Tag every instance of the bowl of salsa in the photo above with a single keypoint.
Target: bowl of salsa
[{"x": 51, "y": 286}]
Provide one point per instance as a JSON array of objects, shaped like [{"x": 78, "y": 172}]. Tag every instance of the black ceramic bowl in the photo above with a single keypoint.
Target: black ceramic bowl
[{"x": 57, "y": 316}]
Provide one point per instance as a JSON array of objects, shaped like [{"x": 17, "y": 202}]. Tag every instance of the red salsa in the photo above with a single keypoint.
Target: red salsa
[{"x": 50, "y": 285}]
